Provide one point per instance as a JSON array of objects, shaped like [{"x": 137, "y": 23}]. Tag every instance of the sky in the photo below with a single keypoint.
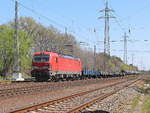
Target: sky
[{"x": 80, "y": 17}]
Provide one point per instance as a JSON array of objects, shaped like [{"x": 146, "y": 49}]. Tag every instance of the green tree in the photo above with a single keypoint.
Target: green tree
[{"x": 7, "y": 48}]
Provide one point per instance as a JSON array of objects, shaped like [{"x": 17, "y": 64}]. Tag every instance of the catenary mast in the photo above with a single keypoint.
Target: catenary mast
[{"x": 16, "y": 62}]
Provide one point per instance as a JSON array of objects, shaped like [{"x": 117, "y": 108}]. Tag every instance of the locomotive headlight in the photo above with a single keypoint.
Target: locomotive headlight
[
  {"x": 35, "y": 67},
  {"x": 46, "y": 67}
]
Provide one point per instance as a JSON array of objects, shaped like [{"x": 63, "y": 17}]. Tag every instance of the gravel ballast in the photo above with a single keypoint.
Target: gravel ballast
[{"x": 117, "y": 103}]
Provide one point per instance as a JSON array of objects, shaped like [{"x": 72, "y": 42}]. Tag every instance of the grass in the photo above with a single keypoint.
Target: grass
[
  {"x": 1, "y": 78},
  {"x": 147, "y": 81},
  {"x": 146, "y": 105},
  {"x": 135, "y": 101},
  {"x": 145, "y": 91}
]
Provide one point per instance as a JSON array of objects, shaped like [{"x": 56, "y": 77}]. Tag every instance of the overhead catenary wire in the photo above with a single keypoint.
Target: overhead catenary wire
[
  {"x": 132, "y": 51},
  {"x": 121, "y": 24},
  {"x": 132, "y": 41},
  {"x": 137, "y": 12},
  {"x": 45, "y": 17},
  {"x": 118, "y": 21},
  {"x": 41, "y": 15},
  {"x": 80, "y": 26}
]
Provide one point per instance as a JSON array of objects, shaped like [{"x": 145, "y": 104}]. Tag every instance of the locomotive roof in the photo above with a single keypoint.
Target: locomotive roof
[
  {"x": 68, "y": 57},
  {"x": 52, "y": 53},
  {"x": 44, "y": 52}
]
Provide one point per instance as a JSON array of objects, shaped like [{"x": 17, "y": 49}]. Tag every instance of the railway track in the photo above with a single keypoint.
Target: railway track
[
  {"x": 4, "y": 82},
  {"x": 5, "y": 93},
  {"x": 96, "y": 100},
  {"x": 77, "y": 102},
  {"x": 9, "y": 91},
  {"x": 16, "y": 89}
]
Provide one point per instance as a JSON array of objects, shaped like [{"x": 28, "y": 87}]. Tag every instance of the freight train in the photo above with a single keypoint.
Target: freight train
[{"x": 50, "y": 66}]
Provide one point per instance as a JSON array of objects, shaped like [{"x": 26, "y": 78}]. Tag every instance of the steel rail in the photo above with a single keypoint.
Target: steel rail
[{"x": 101, "y": 97}]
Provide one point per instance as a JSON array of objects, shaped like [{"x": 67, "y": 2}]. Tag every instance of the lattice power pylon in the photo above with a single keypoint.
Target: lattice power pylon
[{"x": 107, "y": 17}]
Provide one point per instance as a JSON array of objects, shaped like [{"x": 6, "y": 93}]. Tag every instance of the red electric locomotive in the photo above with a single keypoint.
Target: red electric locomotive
[{"x": 52, "y": 66}]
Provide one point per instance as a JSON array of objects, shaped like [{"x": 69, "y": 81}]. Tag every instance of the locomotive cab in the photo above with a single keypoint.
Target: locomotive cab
[
  {"x": 41, "y": 62},
  {"x": 41, "y": 66}
]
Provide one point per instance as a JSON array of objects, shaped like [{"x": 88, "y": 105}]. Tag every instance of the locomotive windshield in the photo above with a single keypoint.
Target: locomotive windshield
[{"x": 41, "y": 58}]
